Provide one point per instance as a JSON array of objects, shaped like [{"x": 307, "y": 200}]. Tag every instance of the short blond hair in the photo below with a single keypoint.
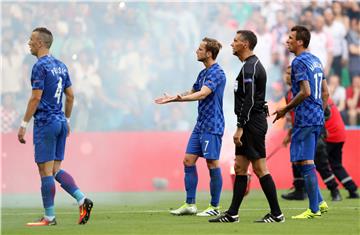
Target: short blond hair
[{"x": 213, "y": 46}]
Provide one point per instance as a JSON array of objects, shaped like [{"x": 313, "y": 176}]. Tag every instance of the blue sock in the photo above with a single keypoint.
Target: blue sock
[
  {"x": 215, "y": 186},
  {"x": 191, "y": 181},
  {"x": 48, "y": 194},
  {"x": 68, "y": 184},
  {"x": 320, "y": 198},
  {"x": 311, "y": 186}
]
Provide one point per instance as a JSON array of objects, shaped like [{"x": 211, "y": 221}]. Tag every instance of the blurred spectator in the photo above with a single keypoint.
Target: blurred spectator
[
  {"x": 314, "y": 8},
  {"x": 339, "y": 14},
  {"x": 61, "y": 30},
  {"x": 77, "y": 39},
  {"x": 11, "y": 64},
  {"x": 352, "y": 8},
  {"x": 322, "y": 44},
  {"x": 338, "y": 94},
  {"x": 306, "y": 19},
  {"x": 278, "y": 31},
  {"x": 89, "y": 91},
  {"x": 353, "y": 39},
  {"x": 273, "y": 90},
  {"x": 338, "y": 32},
  {"x": 353, "y": 101},
  {"x": 119, "y": 54},
  {"x": 264, "y": 44}
]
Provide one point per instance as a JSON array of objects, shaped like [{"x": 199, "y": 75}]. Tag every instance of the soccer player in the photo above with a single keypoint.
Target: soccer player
[
  {"x": 49, "y": 80},
  {"x": 328, "y": 159},
  {"x": 310, "y": 94},
  {"x": 206, "y": 138},
  {"x": 249, "y": 138},
  {"x": 334, "y": 131}
]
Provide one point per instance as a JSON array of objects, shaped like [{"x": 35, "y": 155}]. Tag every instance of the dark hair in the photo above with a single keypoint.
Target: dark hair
[
  {"x": 249, "y": 36},
  {"x": 45, "y": 36},
  {"x": 213, "y": 46},
  {"x": 302, "y": 34}
]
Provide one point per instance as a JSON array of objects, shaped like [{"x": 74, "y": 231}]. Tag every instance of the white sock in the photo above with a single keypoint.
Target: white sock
[
  {"x": 49, "y": 218},
  {"x": 81, "y": 201}
]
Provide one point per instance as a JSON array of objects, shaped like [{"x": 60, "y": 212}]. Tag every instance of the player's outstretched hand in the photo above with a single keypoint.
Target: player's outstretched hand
[
  {"x": 280, "y": 113},
  {"x": 166, "y": 99},
  {"x": 21, "y": 135}
]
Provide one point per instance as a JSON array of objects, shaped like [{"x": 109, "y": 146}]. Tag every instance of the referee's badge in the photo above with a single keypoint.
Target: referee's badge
[{"x": 236, "y": 85}]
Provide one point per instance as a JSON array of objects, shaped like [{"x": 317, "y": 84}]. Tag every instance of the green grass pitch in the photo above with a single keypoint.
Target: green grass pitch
[{"x": 147, "y": 213}]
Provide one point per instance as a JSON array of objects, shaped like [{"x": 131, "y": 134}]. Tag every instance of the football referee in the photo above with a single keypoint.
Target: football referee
[{"x": 249, "y": 138}]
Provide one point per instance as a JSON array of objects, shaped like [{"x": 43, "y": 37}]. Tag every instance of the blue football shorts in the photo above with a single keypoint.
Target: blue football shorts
[
  {"x": 49, "y": 141},
  {"x": 205, "y": 145},
  {"x": 303, "y": 143}
]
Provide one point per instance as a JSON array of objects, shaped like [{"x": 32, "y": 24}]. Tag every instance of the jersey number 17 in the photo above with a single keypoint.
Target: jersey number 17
[{"x": 318, "y": 80}]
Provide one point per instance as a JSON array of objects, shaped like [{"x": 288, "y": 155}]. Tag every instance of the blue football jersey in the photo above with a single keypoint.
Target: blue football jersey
[
  {"x": 308, "y": 67},
  {"x": 51, "y": 76},
  {"x": 210, "y": 110}
]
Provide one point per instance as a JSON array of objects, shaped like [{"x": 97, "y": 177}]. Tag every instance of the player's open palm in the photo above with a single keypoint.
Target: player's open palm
[{"x": 165, "y": 99}]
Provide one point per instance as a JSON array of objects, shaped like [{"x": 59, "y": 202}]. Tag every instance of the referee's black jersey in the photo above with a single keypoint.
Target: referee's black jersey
[{"x": 250, "y": 87}]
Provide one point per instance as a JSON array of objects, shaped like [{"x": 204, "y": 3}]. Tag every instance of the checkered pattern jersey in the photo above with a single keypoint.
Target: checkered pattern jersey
[
  {"x": 210, "y": 110},
  {"x": 308, "y": 67},
  {"x": 51, "y": 76}
]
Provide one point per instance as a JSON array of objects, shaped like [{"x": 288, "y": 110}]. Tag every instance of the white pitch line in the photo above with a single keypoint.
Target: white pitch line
[{"x": 162, "y": 211}]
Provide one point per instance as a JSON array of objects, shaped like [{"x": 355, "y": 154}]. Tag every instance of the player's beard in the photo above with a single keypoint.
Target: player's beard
[
  {"x": 33, "y": 53},
  {"x": 290, "y": 49},
  {"x": 201, "y": 59}
]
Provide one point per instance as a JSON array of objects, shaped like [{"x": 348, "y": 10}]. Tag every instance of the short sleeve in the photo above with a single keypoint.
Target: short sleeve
[
  {"x": 299, "y": 69},
  {"x": 67, "y": 80},
  {"x": 37, "y": 77},
  {"x": 213, "y": 80},
  {"x": 196, "y": 86}
]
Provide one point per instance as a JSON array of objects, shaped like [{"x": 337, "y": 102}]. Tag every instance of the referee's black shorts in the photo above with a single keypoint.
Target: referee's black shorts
[{"x": 253, "y": 138}]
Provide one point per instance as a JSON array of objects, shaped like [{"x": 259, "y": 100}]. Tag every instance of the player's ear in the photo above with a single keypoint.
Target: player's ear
[
  {"x": 246, "y": 44},
  {"x": 299, "y": 42},
  {"x": 208, "y": 54}
]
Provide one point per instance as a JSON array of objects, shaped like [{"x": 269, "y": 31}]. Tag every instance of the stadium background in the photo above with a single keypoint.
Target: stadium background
[{"x": 121, "y": 55}]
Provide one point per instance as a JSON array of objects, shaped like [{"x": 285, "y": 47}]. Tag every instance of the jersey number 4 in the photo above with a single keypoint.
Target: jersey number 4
[{"x": 58, "y": 90}]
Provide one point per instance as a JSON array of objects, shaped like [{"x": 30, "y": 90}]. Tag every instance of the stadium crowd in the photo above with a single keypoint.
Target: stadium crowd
[{"x": 121, "y": 55}]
